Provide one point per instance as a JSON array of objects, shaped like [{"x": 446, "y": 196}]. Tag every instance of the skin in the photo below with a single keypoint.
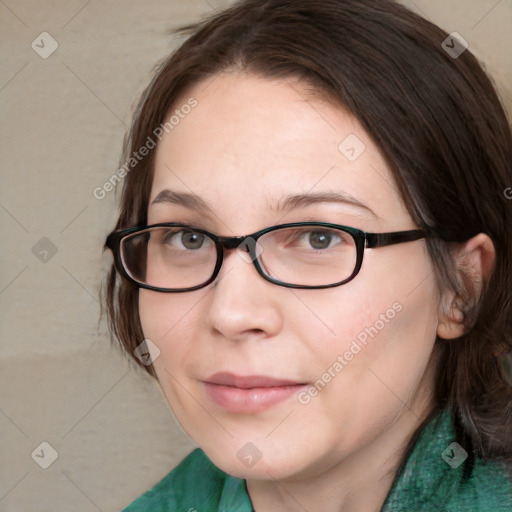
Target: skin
[{"x": 248, "y": 143}]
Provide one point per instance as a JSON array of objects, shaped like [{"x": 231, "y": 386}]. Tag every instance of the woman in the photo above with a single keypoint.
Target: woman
[{"x": 314, "y": 244}]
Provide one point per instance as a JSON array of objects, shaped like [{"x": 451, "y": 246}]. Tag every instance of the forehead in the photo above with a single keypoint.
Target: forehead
[{"x": 249, "y": 142}]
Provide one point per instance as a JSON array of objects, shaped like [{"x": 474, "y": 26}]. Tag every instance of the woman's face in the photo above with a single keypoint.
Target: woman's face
[{"x": 247, "y": 147}]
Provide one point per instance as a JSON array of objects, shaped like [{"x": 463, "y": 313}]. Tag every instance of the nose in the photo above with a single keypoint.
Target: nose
[{"x": 242, "y": 304}]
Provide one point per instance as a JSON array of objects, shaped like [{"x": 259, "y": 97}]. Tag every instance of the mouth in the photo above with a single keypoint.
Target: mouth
[{"x": 249, "y": 394}]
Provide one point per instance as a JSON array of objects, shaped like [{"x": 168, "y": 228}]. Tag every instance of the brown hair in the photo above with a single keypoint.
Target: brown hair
[{"x": 436, "y": 119}]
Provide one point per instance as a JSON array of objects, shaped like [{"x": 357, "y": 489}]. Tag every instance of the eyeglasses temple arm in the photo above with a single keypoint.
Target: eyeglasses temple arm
[{"x": 397, "y": 237}]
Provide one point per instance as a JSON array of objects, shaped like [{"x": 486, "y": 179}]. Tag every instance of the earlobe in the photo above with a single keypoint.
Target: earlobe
[
  {"x": 474, "y": 260},
  {"x": 451, "y": 317}
]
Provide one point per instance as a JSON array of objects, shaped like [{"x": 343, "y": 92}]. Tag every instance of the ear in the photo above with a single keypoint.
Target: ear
[{"x": 475, "y": 258}]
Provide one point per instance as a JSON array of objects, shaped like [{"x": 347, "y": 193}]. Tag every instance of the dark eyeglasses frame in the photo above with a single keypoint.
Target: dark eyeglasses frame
[{"x": 222, "y": 243}]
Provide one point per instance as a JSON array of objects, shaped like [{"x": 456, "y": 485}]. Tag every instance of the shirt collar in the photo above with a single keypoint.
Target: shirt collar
[{"x": 235, "y": 497}]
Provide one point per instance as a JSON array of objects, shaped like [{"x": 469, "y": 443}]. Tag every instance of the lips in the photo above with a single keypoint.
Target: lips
[
  {"x": 251, "y": 381},
  {"x": 248, "y": 394}
]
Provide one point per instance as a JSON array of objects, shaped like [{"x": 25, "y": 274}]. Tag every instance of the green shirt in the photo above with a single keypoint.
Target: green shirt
[{"x": 427, "y": 482}]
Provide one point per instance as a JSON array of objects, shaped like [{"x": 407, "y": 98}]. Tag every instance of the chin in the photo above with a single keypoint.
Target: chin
[{"x": 258, "y": 460}]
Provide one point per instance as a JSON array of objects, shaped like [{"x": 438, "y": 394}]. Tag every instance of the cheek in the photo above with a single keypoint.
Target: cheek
[
  {"x": 370, "y": 372},
  {"x": 169, "y": 320},
  {"x": 379, "y": 330},
  {"x": 162, "y": 314}
]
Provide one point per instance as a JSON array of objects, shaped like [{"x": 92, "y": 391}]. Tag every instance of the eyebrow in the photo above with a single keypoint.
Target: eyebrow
[
  {"x": 194, "y": 202},
  {"x": 188, "y": 200},
  {"x": 301, "y": 200}
]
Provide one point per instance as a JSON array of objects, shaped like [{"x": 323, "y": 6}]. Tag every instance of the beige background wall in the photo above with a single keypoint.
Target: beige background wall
[{"x": 63, "y": 120}]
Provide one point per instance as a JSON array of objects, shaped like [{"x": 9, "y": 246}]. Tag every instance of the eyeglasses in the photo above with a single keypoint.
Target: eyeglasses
[{"x": 172, "y": 257}]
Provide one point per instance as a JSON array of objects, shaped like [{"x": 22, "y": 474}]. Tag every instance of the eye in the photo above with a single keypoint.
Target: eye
[
  {"x": 189, "y": 240},
  {"x": 320, "y": 239},
  {"x": 312, "y": 239}
]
